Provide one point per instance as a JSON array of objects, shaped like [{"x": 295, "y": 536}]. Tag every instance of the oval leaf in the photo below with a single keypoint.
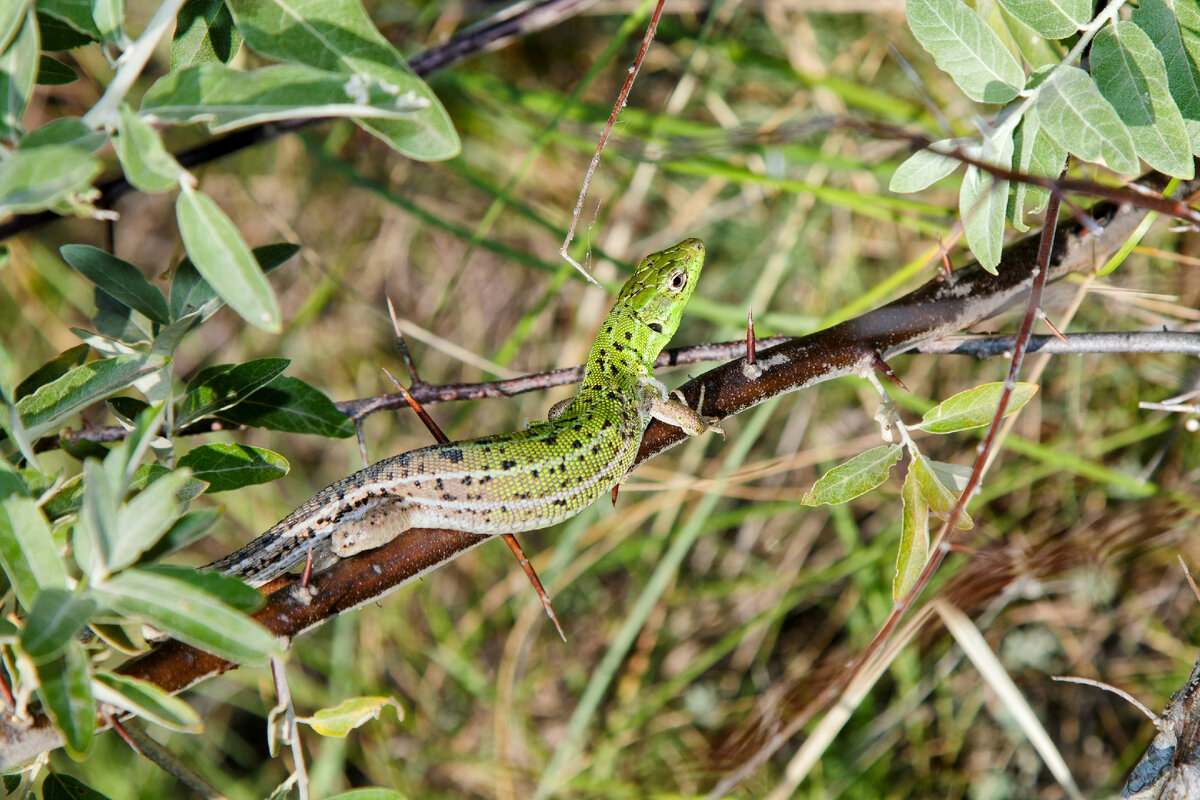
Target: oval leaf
[
  {"x": 856, "y": 477},
  {"x": 1077, "y": 116},
  {"x": 925, "y": 167},
  {"x": 940, "y": 499},
  {"x": 1132, "y": 76},
  {"x": 204, "y": 33},
  {"x": 190, "y": 615},
  {"x": 43, "y": 177},
  {"x": 120, "y": 279},
  {"x": 966, "y": 49},
  {"x": 147, "y": 701},
  {"x": 27, "y": 550},
  {"x": 18, "y": 71},
  {"x": 914, "y": 538},
  {"x": 64, "y": 787},
  {"x": 337, "y": 35},
  {"x": 57, "y": 617},
  {"x": 232, "y": 466},
  {"x": 217, "y": 389},
  {"x": 222, "y": 257},
  {"x": 88, "y": 383},
  {"x": 983, "y": 202},
  {"x": 1053, "y": 19},
  {"x": 292, "y": 406},
  {"x": 349, "y": 714},
  {"x": 974, "y": 408},
  {"x": 1180, "y": 52},
  {"x": 66, "y": 691},
  {"x": 146, "y": 162}
]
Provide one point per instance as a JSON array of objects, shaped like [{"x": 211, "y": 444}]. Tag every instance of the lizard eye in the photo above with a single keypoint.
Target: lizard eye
[
  {"x": 656, "y": 327},
  {"x": 678, "y": 281}
]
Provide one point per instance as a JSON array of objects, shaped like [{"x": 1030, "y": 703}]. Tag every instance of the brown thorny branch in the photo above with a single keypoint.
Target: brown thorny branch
[{"x": 937, "y": 309}]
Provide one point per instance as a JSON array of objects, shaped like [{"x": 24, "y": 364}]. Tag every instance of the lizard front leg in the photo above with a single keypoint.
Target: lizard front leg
[{"x": 677, "y": 413}]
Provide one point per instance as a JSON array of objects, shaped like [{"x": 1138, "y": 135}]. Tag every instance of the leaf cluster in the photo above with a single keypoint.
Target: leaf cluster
[{"x": 1137, "y": 100}]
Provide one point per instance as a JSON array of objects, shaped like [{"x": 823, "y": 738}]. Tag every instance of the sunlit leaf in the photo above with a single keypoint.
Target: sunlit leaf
[
  {"x": 232, "y": 466},
  {"x": 855, "y": 477},
  {"x": 914, "y": 538},
  {"x": 974, "y": 408},
  {"x": 1132, "y": 76},
  {"x": 216, "y": 248},
  {"x": 1077, "y": 116},
  {"x": 966, "y": 49}
]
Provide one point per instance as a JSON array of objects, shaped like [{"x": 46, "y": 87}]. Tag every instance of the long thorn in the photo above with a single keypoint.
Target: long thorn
[
  {"x": 751, "y": 344},
  {"x": 402, "y": 346},
  {"x": 887, "y": 372},
  {"x": 530, "y": 573}
]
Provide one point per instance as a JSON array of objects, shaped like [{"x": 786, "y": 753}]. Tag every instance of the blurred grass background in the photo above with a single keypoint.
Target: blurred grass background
[{"x": 1074, "y": 568}]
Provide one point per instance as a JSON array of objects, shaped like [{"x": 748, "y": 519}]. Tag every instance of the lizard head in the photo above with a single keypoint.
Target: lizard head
[{"x": 659, "y": 289}]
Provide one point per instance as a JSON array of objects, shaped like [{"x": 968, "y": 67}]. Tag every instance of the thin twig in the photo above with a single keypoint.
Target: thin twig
[{"x": 622, "y": 96}]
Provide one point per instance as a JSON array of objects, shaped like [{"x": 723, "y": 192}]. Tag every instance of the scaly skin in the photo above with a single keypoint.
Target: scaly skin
[{"x": 510, "y": 482}]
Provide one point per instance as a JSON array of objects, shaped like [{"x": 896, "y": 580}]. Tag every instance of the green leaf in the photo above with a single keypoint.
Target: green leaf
[
  {"x": 96, "y": 531},
  {"x": 222, "y": 257},
  {"x": 114, "y": 320},
  {"x": 204, "y": 33},
  {"x": 147, "y": 701},
  {"x": 52, "y": 72},
  {"x": 1035, "y": 153},
  {"x": 52, "y": 370},
  {"x": 1052, "y": 19},
  {"x": 145, "y": 160},
  {"x": 27, "y": 550},
  {"x": 76, "y": 13},
  {"x": 58, "y": 35},
  {"x": 190, "y": 292},
  {"x": 191, "y": 527},
  {"x": 1077, "y": 116},
  {"x": 120, "y": 279},
  {"x": 109, "y": 16},
  {"x": 940, "y": 499},
  {"x": 65, "y": 130},
  {"x": 232, "y": 466},
  {"x": 1132, "y": 76},
  {"x": 232, "y": 591},
  {"x": 18, "y": 70},
  {"x": 146, "y": 518},
  {"x": 925, "y": 167},
  {"x": 338, "y": 36},
  {"x": 982, "y": 202},
  {"x": 147, "y": 474},
  {"x": 36, "y": 179},
  {"x": 88, "y": 383},
  {"x": 127, "y": 408},
  {"x": 855, "y": 477},
  {"x": 1183, "y": 69},
  {"x": 914, "y": 538},
  {"x": 349, "y": 714},
  {"x": 56, "y": 619},
  {"x": 63, "y": 787},
  {"x": 12, "y": 17},
  {"x": 226, "y": 99},
  {"x": 191, "y": 615},
  {"x": 226, "y": 386},
  {"x": 292, "y": 406},
  {"x": 370, "y": 793},
  {"x": 974, "y": 408},
  {"x": 66, "y": 692},
  {"x": 966, "y": 49}
]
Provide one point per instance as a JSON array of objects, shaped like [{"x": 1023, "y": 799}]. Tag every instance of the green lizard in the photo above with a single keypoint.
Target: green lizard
[{"x": 510, "y": 482}]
